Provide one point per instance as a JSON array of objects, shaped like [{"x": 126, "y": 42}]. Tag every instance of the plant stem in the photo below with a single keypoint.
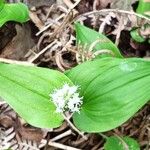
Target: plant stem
[
  {"x": 103, "y": 135},
  {"x": 73, "y": 127}
]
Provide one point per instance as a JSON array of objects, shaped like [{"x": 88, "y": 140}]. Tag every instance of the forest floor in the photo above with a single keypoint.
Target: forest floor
[{"x": 48, "y": 40}]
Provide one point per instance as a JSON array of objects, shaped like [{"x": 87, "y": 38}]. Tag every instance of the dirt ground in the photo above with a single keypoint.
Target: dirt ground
[{"x": 48, "y": 40}]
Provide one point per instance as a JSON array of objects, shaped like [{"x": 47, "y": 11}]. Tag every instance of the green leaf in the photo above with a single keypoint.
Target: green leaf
[
  {"x": 27, "y": 89},
  {"x": 143, "y": 7},
  {"x": 136, "y": 36},
  {"x": 14, "y": 12},
  {"x": 125, "y": 143},
  {"x": 2, "y": 3},
  {"x": 87, "y": 36},
  {"x": 138, "y": 33},
  {"x": 113, "y": 90}
]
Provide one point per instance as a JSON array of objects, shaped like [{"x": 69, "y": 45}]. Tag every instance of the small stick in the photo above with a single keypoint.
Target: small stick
[
  {"x": 49, "y": 11},
  {"x": 10, "y": 61},
  {"x": 73, "y": 127},
  {"x": 59, "y": 145},
  {"x": 46, "y": 27},
  {"x": 36, "y": 20},
  {"x": 115, "y": 11},
  {"x": 42, "y": 51},
  {"x": 119, "y": 30},
  {"x": 60, "y": 136},
  {"x": 57, "y": 58},
  {"x": 68, "y": 3}
]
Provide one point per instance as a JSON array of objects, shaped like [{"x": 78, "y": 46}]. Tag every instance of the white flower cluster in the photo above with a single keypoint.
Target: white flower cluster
[{"x": 67, "y": 98}]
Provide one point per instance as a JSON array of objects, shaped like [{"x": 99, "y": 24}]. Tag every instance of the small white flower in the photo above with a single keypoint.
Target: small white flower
[
  {"x": 74, "y": 103},
  {"x": 67, "y": 98}
]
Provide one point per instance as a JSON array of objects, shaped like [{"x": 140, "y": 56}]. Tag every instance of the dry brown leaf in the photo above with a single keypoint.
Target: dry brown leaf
[
  {"x": 7, "y": 32},
  {"x": 20, "y": 44},
  {"x": 30, "y": 133}
]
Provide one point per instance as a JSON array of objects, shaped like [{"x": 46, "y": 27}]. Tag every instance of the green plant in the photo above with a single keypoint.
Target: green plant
[
  {"x": 17, "y": 12},
  {"x": 97, "y": 41},
  {"x": 97, "y": 93},
  {"x": 137, "y": 33},
  {"x": 121, "y": 143}
]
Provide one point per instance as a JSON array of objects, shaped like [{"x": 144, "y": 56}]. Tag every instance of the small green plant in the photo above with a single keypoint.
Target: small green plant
[
  {"x": 121, "y": 143},
  {"x": 136, "y": 33},
  {"x": 95, "y": 42},
  {"x": 17, "y": 12},
  {"x": 100, "y": 94}
]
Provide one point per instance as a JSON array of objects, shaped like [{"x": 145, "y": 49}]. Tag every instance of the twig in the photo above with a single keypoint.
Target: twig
[
  {"x": 43, "y": 51},
  {"x": 46, "y": 34},
  {"x": 60, "y": 28},
  {"x": 70, "y": 5},
  {"x": 36, "y": 20},
  {"x": 10, "y": 61},
  {"x": 57, "y": 58},
  {"x": 49, "y": 11},
  {"x": 115, "y": 11},
  {"x": 95, "y": 4},
  {"x": 46, "y": 27},
  {"x": 119, "y": 29},
  {"x": 61, "y": 146},
  {"x": 60, "y": 136},
  {"x": 63, "y": 9},
  {"x": 73, "y": 127}
]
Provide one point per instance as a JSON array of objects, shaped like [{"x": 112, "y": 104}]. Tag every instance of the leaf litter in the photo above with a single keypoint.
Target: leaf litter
[{"x": 51, "y": 43}]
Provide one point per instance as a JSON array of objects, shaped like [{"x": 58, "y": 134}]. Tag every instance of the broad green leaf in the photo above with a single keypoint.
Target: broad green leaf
[
  {"x": 113, "y": 90},
  {"x": 14, "y": 12},
  {"x": 2, "y": 3},
  {"x": 125, "y": 143},
  {"x": 27, "y": 89},
  {"x": 87, "y": 36}
]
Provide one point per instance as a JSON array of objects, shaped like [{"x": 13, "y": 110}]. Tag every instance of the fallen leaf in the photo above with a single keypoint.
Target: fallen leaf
[{"x": 20, "y": 44}]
